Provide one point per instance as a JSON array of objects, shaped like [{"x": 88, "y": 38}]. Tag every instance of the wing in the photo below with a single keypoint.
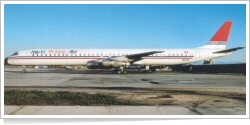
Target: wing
[
  {"x": 133, "y": 57},
  {"x": 137, "y": 57},
  {"x": 140, "y": 55},
  {"x": 229, "y": 50}
]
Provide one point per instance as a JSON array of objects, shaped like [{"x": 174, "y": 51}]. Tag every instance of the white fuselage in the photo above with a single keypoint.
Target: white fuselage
[{"x": 79, "y": 57}]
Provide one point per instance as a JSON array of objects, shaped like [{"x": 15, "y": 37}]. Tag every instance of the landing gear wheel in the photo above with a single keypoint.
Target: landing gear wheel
[
  {"x": 118, "y": 72},
  {"x": 24, "y": 71},
  {"x": 124, "y": 72}
]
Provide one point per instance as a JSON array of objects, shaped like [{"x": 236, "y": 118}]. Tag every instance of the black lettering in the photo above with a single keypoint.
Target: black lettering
[{"x": 72, "y": 51}]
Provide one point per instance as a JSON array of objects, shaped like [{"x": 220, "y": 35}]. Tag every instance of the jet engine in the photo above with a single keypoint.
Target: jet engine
[
  {"x": 95, "y": 64},
  {"x": 114, "y": 63}
]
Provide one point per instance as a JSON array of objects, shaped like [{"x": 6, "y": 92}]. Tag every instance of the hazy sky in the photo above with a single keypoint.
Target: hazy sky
[{"x": 76, "y": 26}]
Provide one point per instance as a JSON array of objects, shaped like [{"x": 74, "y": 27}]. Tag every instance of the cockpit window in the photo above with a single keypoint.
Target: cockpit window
[{"x": 16, "y": 53}]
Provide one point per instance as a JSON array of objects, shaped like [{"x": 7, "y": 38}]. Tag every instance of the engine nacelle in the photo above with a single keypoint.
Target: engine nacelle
[
  {"x": 95, "y": 64},
  {"x": 115, "y": 63}
]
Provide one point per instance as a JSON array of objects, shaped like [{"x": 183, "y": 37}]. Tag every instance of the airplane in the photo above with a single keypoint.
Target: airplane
[{"x": 123, "y": 59}]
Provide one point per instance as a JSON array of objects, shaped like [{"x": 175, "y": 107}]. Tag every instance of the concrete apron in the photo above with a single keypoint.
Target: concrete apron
[{"x": 97, "y": 110}]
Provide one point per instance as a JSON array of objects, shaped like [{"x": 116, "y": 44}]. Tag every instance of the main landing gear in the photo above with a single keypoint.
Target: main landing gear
[
  {"x": 147, "y": 69},
  {"x": 121, "y": 71}
]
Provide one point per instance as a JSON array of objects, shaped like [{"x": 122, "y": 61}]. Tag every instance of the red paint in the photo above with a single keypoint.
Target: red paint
[{"x": 223, "y": 33}]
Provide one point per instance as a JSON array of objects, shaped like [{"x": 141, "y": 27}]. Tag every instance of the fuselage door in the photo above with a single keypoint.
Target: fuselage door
[{"x": 197, "y": 54}]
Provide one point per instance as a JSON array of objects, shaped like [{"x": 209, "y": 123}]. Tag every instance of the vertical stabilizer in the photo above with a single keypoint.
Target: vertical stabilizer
[{"x": 221, "y": 37}]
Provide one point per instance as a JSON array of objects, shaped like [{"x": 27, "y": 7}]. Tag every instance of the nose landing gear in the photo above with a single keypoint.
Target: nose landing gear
[{"x": 24, "y": 71}]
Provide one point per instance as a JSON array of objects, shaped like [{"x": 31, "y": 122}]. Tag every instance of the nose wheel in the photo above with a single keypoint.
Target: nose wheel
[{"x": 24, "y": 71}]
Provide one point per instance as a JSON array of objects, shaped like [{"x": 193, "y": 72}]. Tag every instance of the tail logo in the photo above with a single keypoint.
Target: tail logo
[{"x": 222, "y": 35}]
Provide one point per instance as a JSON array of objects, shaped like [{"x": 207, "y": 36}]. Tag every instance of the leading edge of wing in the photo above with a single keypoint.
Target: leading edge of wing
[{"x": 138, "y": 56}]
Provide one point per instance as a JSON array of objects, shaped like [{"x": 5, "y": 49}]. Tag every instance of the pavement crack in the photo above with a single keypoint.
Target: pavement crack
[
  {"x": 14, "y": 112},
  {"x": 194, "y": 110}
]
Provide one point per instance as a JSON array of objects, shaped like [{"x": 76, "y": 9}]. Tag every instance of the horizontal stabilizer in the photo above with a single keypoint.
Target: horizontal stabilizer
[{"x": 229, "y": 50}]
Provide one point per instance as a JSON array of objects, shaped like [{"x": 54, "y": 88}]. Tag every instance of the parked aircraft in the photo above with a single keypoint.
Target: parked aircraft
[{"x": 122, "y": 59}]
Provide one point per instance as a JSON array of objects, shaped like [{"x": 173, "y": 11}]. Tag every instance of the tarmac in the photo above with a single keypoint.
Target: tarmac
[{"x": 168, "y": 93}]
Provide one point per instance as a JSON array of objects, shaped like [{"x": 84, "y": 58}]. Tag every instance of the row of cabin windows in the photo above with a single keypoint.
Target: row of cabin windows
[
  {"x": 77, "y": 55},
  {"x": 173, "y": 54}
]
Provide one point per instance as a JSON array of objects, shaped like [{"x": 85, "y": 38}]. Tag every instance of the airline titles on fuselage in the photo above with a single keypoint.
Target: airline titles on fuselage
[{"x": 53, "y": 52}]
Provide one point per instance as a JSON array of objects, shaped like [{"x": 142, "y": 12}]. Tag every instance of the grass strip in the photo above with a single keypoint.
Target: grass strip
[{"x": 16, "y": 97}]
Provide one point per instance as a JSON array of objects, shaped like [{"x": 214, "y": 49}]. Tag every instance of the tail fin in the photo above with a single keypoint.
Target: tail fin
[{"x": 221, "y": 37}]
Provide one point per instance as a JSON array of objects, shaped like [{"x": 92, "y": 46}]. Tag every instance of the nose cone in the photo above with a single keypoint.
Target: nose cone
[{"x": 6, "y": 61}]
